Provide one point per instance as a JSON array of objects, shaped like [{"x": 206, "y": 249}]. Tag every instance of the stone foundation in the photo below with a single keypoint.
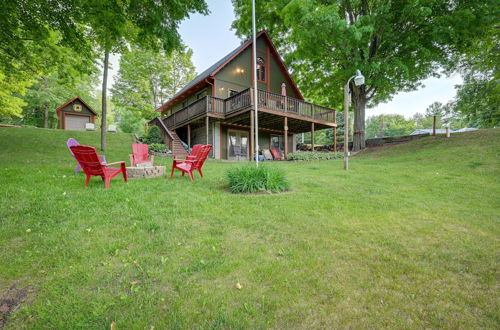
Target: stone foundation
[{"x": 145, "y": 172}]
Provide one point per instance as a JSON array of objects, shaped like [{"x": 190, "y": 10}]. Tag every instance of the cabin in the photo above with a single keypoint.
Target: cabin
[
  {"x": 75, "y": 114},
  {"x": 217, "y": 107}
]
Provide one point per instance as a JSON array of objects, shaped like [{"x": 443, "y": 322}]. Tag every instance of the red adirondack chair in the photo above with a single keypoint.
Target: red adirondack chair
[
  {"x": 277, "y": 154},
  {"x": 140, "y": 154},
  {"x": 190, "y": 165},
  {"x": 195, "y": 151},
  {"x": 91, "y": 164}
]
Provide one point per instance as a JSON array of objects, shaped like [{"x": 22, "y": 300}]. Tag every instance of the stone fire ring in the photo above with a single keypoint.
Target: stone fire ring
[{"x": 145, "y": 172}]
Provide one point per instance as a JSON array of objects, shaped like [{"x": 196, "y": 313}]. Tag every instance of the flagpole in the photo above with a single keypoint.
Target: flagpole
[{"x": 255, "y": 95}]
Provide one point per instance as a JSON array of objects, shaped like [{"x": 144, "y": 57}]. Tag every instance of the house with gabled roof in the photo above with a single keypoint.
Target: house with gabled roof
[{"x": 217, "y": 106}]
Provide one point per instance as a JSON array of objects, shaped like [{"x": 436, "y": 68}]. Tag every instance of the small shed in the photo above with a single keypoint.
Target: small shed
[{"x": 74, "y": 114}]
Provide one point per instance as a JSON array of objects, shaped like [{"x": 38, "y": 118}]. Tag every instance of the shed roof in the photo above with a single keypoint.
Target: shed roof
[{"x": 81, "y": 100}]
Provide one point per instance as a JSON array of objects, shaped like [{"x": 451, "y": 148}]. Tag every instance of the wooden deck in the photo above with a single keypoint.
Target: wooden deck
[{"x": 236, "y": 105}]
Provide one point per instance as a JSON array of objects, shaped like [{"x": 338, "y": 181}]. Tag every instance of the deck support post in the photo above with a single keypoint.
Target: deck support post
[
  {"x": 252, "y": 135},
  {"x": 286, "y": 135},
  {"x": 334, "y": 139},
  {"x": 189, "y": 136},
  {"x": 207, "y": 128},
  {"x": 312, "y": 136}
]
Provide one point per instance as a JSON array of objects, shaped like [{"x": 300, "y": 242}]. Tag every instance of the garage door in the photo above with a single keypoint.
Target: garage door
[{"x": 76, "y": 122}]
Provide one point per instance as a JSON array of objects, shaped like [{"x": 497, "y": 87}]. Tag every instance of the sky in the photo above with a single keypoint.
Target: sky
[{"x": 211, "y": 38}]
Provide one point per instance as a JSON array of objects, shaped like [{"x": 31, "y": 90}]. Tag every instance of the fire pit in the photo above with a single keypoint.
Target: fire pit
[{"x": 145, "y": 172}]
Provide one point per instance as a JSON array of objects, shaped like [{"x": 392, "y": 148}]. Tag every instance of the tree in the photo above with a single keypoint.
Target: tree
[
  {"x": 424, "y": 121},
  {"x": 129, "y": 121},
  {"x": 147, "y": 79},
  {"x": 149, "y": 24},
  {"x": 36, "y": 38},
  {"x": 388, "y": 125},
  {"x": 435, "y": 109},
  {"x": 395, "y": 44},
  {"x": 112, "y": 25},
  {"x": 478, "y": 98}
]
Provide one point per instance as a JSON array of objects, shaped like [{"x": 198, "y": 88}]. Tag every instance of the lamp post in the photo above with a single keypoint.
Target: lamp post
[
  {"x": 255, "y": 95},
  {"x": 359, "y": 80}
]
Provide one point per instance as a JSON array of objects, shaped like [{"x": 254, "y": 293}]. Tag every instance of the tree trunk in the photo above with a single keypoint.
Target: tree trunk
[
  {"x": 46, "y": 108},
  {"x": 104, "y": 100},
  {"x": 359, "y": 100},
  {"x": 46, "y": 116}
]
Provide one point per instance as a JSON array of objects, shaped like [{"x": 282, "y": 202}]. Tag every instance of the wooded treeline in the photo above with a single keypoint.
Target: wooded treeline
[{"x": 52, "y": 50}]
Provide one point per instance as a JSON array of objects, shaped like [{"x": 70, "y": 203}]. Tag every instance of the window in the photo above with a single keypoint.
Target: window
[
  {"x": 232, "y": 92},
  {"x": 185, "y": 103},
  {"x": 201, "y": 94},
  {"x": 261, "y": 69}
]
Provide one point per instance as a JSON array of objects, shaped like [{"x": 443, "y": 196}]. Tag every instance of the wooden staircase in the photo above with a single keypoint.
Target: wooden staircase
[
  {"x": 172, "y": 140},
  {"x": 177, "y": 147}
]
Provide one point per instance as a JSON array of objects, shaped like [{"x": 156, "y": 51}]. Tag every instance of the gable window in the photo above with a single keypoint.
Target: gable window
[{"x": 261, "y": 69}]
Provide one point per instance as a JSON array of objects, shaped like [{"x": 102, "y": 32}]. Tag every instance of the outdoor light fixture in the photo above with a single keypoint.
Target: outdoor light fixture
[{"x": 359, "y": 80}]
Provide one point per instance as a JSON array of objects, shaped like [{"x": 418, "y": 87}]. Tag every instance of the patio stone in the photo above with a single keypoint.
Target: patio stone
[{"x": 145, "y": 172}]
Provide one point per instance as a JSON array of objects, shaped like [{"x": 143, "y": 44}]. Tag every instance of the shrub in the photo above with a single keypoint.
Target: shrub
[
  {"x": 314, "y": 155},
  {"x": 153, "y": 136},
  {"x": 158, "y": 147},
  {"x": 250, "y": 179}
]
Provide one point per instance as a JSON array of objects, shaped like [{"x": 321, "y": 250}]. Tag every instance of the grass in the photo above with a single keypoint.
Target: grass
[
  {"x": 314, "y": 155},
  {"x": 251, "y": 179},
  {"x": 408, "y": 238}
]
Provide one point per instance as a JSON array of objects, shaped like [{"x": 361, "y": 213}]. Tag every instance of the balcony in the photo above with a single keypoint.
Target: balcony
[{"x": 242, "y": 102}]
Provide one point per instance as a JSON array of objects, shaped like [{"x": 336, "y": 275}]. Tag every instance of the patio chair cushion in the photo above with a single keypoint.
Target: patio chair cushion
[{"x": 267, "y": 154}]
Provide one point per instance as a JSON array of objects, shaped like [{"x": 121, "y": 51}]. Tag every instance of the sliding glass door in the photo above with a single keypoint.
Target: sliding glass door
[{"x": 238, "y": 148}]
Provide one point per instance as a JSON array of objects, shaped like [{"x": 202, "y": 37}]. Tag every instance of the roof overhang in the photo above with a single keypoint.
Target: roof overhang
[{"x": 182, "y": 96}]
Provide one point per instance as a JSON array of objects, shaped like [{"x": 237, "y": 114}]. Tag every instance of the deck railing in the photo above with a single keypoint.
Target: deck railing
[
  {"x": 277, "y": 102},
  {"x": 215, "y": 105},
  {"x": 239, "y": 101},
  {"x": 244, "y": 100}
]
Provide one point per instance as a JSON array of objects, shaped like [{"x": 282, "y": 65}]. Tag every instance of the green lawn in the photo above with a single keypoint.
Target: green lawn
[{"x": 408, "y": 238}]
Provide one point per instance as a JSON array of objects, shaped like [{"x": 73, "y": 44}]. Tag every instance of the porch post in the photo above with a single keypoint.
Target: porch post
[
  {"x": 189, "y": 136},
  {"x": 335, "y": 139},
  {"x": 312, "y": 136},
  {"x": 252, "y": 135},
  {"x": 206, "y": 126},
  {"x": 286, "y": 136}
]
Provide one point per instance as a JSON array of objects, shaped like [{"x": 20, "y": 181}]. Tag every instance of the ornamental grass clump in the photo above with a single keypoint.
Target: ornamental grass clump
[{"x": 252, "y": 179}]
